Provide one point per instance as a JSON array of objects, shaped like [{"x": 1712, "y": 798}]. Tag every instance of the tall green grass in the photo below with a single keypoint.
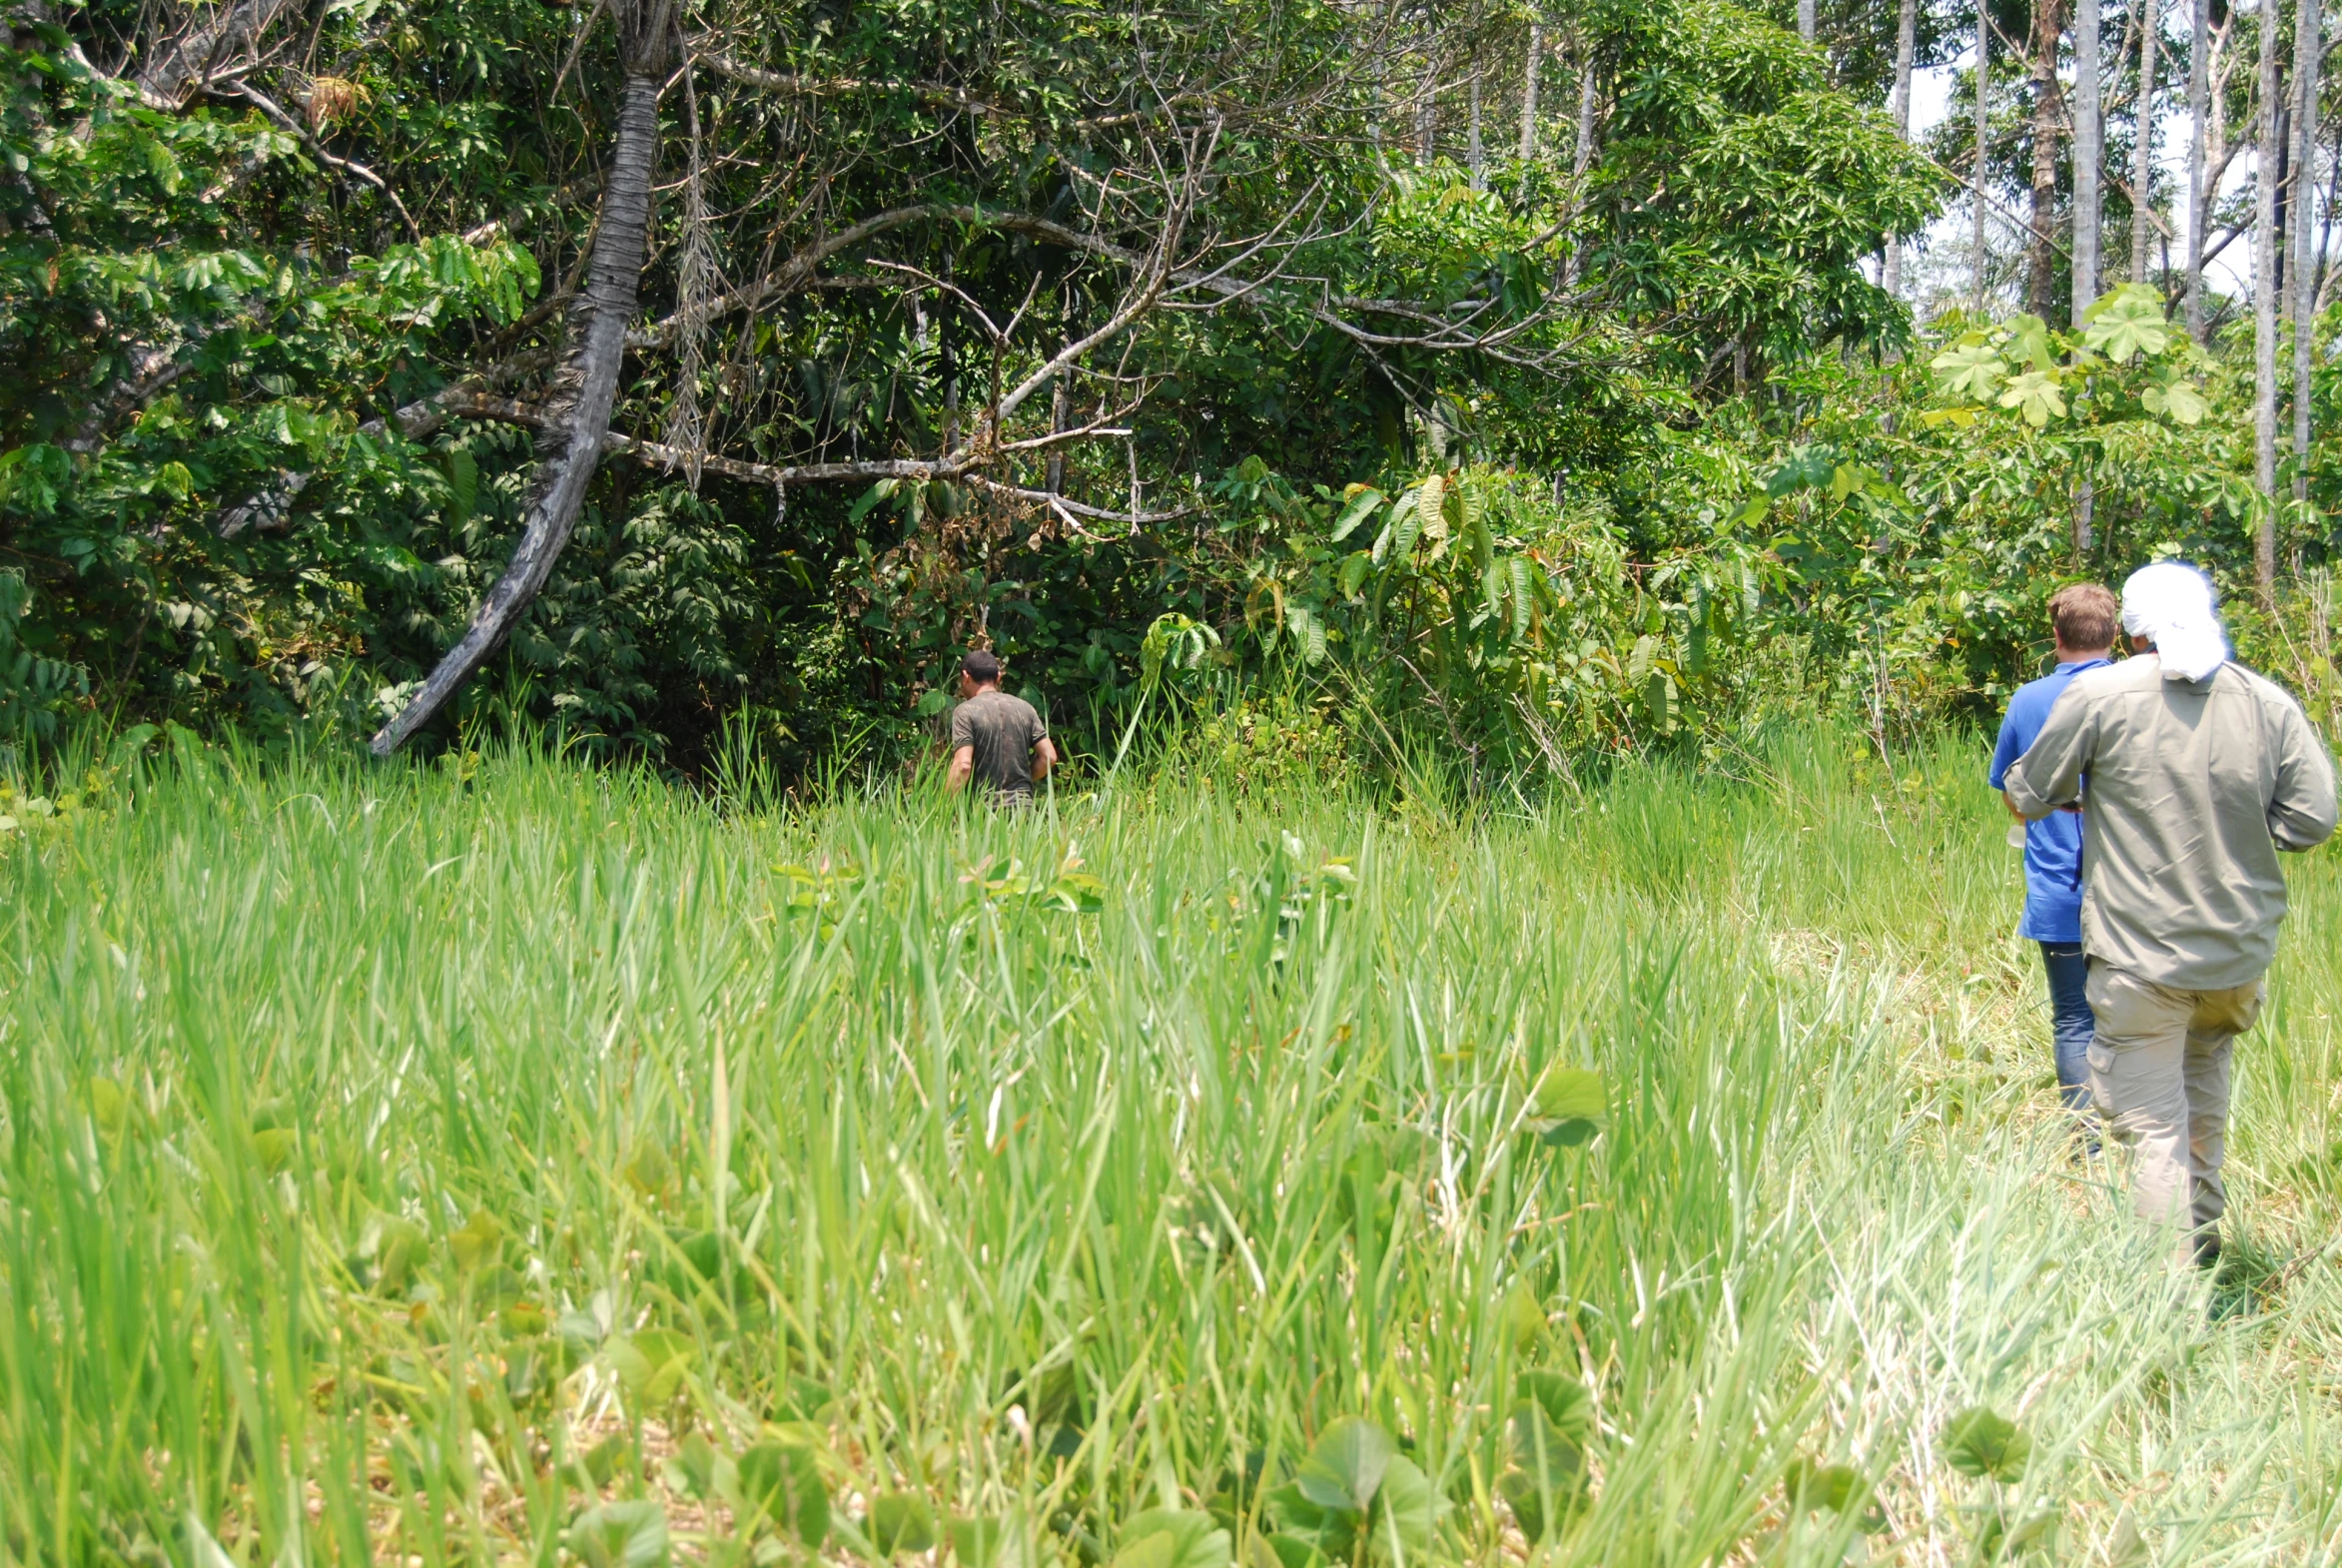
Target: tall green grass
[{"x": 398, "y": 1162}]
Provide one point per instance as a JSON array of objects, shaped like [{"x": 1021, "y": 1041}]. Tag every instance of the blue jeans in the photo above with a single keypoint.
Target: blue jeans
[{"x": 2071, "y": 1025}]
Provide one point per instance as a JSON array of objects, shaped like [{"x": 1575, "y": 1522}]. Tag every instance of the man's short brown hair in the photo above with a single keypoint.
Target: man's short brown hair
[{"x": 2085, "y": 616}]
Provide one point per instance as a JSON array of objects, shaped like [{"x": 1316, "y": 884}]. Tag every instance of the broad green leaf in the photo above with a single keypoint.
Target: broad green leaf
[
  {"x": 2036, "y": 396},
  {"x": 1981, "y": 1441},
  {"x": 1151, "y": 1551},
  {"x": 780, "y": 1486},
  {"x": 1362, "y": 506},
  {"x": 477, "y": 1240},
  {"x": 2128, "y": 323},
  {"x": 1968, "y": 370},
  {"x": 1569, "y": 1104},
  {"x": 2177, "y": 400},
  {"x": 1524, "y": 1316},
  {"x": 647, "y": 1168},
  {"x": 900, "y": 1522},
  {"x": 108, "y": 1106},
  {"x": 1189, "y": 1539},
  {"x": 621, "y": 1535},
  {"x": 1831, "y": 1489},
  {"x": 884, "y": 489},
  {"x": 1406, "y": 524},
  {"x": 1345, "y": 1466},
  {"x": 391, "y": 1248},
  {"x": 1640, "y": 657},
  {"x": 693, "y": 1470},
  {"x": 990, "y": 1543},
  {"x": 1405, "y": 1511},
  {"x": 651, "y": 1364},
  {"x": 2029, "y": 336},
  {"x": 1431, "y": 506},
  {"x": 274, "y": 1147},
  {"x": 1564, "y": 1400}
]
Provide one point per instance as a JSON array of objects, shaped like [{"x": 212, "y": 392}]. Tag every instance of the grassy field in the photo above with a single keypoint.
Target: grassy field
[{"x": 420, "y": 1167}]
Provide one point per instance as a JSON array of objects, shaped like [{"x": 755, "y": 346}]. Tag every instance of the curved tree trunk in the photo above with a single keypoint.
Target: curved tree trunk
[{"x": 583, "y": 389}]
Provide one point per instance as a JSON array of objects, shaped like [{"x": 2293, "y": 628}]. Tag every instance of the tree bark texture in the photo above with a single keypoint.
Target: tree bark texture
[
  {"x": 1906, "y": 21},
  {"x": 1805, "y": 20},
  {"x": 1984, "y": 140},
  {"x": 2199, "y": 65},
  {"x": 584, "y": 387},
  {"x": 2088, "y": 152},
  {"x": 2264, "y": 304},
  {"x": 2309, "y": 28},
  {"x": 1528, "y": 148},
  {"x": 2049, "y": 127},
  {"x": 1479, "y": 153},
  {"x": 1581, "y": 159},
  {"x": 2143, "y": 158}
]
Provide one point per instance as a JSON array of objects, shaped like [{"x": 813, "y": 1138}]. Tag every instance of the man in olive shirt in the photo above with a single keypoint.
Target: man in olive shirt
[
  {"x": 997, "y": 739},
  {"x": 2199, "y": 773}
]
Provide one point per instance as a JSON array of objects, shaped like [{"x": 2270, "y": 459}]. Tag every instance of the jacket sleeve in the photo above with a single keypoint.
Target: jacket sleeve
[
  {"x": 2049, "y": 774},
  {"x": 2301, "y": 810}
]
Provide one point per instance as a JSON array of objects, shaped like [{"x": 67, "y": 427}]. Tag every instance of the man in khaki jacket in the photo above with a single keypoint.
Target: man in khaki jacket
[{"x": 2198, "y": 772}]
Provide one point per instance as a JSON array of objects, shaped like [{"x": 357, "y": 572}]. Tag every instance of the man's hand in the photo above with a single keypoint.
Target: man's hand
[
  {"x": 1044, "y": 757},
  {"x": 2011, "y": 805},
  {"x": 962, "y": 769}
]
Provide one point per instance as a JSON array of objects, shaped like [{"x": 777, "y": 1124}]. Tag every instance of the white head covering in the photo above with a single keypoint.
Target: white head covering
[{"x": 2173, "y": 604}]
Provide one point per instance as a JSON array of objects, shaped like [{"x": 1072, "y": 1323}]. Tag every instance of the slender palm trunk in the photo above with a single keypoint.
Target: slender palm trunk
[
  {"x": 582, "y": 392},
  {"x": 2048, "y": 128},
  {"x": 1528, "y": 149},
  {"x": 1479, "y": 152},
  {"x": 1983, "y": 138},
  {"x": 2088, "y": 153},
  {"x": 2308, "y": 48},
  {"x": 2088, "y": 149},
  {"x": 2199, "y": 65},
  {"x": 2143, "y": 165},
  {"x": 1906, "y": 21},
  {"x": 2264, "y": 306},
  {"x": 1428, "y": 114},
  {"x": 1805, "y": 20},
  {"x": 1581, "y": 159}
]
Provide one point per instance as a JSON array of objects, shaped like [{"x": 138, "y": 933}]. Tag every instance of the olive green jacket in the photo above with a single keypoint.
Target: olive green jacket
[{"x": 2193, "y": 788}]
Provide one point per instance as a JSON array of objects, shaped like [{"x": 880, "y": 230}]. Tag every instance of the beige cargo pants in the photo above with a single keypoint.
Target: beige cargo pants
[{"x": 2160, "y": 1073}]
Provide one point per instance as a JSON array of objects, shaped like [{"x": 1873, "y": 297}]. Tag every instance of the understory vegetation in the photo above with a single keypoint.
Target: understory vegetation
[
  {"x": 494, "y": 1160},
  {"x": 1513, "y": 380}
]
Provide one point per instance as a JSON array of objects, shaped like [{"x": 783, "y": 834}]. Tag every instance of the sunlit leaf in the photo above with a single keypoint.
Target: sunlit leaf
[
  {"x": 2128, "y": 323},
  {"x": 2034, "y": 394},
  {"x": 1345, "y": 1466},
  {"x": 1968, "y": 370}
]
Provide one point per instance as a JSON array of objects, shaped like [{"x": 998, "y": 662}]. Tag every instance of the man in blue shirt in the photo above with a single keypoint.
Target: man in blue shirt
[{"x": 2084, "y": 619}]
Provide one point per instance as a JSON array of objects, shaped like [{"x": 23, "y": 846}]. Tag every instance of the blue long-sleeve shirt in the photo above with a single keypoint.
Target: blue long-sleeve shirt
[{"x": 2052, "y": 846}]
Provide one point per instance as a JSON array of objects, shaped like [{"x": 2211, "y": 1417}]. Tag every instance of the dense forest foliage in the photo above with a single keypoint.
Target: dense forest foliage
[{"x": 1496, "y": 383}]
